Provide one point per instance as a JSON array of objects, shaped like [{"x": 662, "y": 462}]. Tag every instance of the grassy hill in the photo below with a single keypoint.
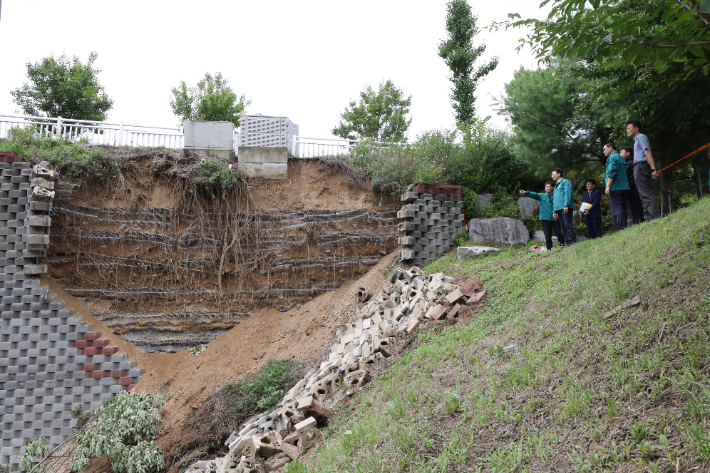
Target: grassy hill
[{"x": 539, "y": 379}]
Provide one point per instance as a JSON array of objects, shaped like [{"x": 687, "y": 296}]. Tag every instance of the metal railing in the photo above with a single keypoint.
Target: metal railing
[
  {"x": 305, "y": 147},
  {"x": 97, "y": 133}
]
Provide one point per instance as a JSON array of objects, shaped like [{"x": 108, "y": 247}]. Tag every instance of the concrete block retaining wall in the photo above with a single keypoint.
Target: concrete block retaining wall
[
  {"x": 434, "y": 216},
  {"x": 50, "y": 361}
]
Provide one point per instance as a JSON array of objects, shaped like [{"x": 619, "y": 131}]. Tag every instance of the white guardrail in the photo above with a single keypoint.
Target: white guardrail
[
  {"x": 121, "y": 134},
  {"x": 97, "y": 133}
]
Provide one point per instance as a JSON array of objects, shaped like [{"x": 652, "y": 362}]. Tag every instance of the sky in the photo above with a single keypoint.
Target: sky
[{"x": 303, "y": 60}]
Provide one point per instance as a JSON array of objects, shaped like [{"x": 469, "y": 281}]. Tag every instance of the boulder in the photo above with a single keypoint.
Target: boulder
[
  {"x": 468, "y": 252},
  {"x": 528, "y": 206},
  {"x": 484, "y": 200},
  {"x": 539, "y": 235},
  {"x": 498, "y": 231}
]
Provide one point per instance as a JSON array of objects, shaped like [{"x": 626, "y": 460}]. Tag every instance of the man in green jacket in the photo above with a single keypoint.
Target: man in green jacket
[
  {"x": 617, "y": 184},
  {"x": 548, "y": 223},
  {"x": 563, "y": 206}
]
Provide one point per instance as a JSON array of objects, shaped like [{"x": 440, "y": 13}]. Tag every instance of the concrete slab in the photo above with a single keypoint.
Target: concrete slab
[
  {"x": 253, "y": 154},
  {"x": 275, "y": 171}
]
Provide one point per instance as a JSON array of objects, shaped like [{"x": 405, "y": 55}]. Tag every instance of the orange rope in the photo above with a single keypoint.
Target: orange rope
[{"x": 684, "y": 157}]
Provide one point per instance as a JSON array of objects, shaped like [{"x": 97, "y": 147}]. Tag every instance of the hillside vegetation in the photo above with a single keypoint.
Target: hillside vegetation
[{"x": 541, "y": 377}]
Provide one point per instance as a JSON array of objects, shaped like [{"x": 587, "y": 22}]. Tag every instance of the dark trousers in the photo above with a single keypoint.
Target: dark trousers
[
  {"x": 643, "y": 178},
  {"x": 594, "y": 226},
  {"x": 547, "y": 227},
  {"x": 617, "y": 201},
  {"x": 567, "y": 223},
  {"x": 634, "y": 206}
]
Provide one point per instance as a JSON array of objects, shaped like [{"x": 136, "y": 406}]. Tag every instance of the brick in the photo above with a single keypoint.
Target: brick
[
  {"x": 476, "y": 298},
  {"x": 436, "y": 312},
  {"x": 454, "y": 297},
  {"x": 89, "y": 351},
  {"x": 89, "y": 366},
  {"x": 118, "y": 373},
  {"x": 109, "y": 350},
  {"x": 125, "y": 381},
  {"x": 100, "y": 374},
  {"x": 453, "y": 312},
  {"x": 92, "y": 335},
  {"x": 102, "y": 343}
]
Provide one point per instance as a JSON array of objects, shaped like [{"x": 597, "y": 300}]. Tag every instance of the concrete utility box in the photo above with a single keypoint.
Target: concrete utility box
[
  {"x": 269, "y": 163},
  {"x": 214, "y": 137},
  {"x": 266, "y": 131}
]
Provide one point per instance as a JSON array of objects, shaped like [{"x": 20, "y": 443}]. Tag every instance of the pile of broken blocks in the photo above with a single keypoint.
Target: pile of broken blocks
[{"x": 268, "y": 441}]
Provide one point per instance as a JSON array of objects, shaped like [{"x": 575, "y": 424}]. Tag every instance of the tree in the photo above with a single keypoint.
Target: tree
[
  {"x": 212, "y": 99},
  {"x": 655, "y": 33},
  {"x": 379, "y": 116},
  {"x": 63, "y": 87},
  {"x": 555, "y": 121},
  {"x": 460, "y": 56}
]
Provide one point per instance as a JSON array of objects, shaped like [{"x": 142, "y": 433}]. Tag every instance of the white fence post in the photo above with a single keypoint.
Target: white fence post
[
  {"x": 59, "y": 126},
  {"x": 120, "y": 134}
]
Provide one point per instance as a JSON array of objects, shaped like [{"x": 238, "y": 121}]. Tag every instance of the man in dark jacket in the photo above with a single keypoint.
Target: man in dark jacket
[
  {"x": 633, "y": 202},
  {"x": 563, "y": 206},
  {"x": 593, "y": 214},
  {"x": 617, "y": 186}
]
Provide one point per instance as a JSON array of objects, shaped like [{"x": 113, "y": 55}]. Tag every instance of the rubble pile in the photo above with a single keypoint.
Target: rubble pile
[{"x": 268, "y": 441}]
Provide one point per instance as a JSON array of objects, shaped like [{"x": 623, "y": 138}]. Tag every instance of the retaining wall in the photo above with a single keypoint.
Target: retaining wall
[
  {"x": 434, "y": 216},
  {"x": 50, "y": 361}
]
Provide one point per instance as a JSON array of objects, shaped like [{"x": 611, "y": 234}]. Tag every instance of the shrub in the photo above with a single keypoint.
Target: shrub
[
  {"x": 214, "y": 175},
  {"x": 35, "y": 450},
  {"x": 124, "y": 432},
  {"x": 532, "y": 223},
  {"x": 461, "y": 239}
]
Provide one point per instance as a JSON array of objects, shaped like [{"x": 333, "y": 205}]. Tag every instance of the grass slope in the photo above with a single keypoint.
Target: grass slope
[{"x": 581, "y": 393}]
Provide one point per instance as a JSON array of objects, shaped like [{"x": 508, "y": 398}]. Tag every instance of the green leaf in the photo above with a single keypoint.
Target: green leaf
[
  {"x": 705, "y": 7},
  {"x": 607, "y": 39}
]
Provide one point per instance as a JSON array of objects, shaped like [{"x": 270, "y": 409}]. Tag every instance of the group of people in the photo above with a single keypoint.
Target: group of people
[{"x": 628, "y": 178}]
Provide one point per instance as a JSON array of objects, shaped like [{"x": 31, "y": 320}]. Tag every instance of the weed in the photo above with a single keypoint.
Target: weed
[
  {"x": 195, "y": 351},
  {"x": 452, "y": 403}
]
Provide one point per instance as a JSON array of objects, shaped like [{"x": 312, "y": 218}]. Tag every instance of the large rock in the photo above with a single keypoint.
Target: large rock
[
  {"x": 498, "y": 231},
  {"x": 539, "y": 235},
  {"x": 468, "y": 252},
  {"x": 528, "y": 206},
  {"x": 484, "y": 200}
]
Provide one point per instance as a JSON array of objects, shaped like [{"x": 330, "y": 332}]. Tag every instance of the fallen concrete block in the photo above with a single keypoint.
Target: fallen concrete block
[
  {"x": 413, "y": 324},
  {"x": 636, "y": 300},
  {"x": 453, "y": 312},
  {"x": 405, "y": 254},
  {"x": 308, "y": 434},
  {"x": 476, "y": 298},
  {"x": 470, "y": 289},
  {"x": 454, "y": 297},
  {"x": 310, "y": 407},
  {"x": 248, "y": 465},
  {"x": 396, "y": 274},
  {"x": 42, "y": 172},
  {"x": 363, "y": 295},
  {"x": 40, "y": 194},
  {"x": 277, "y": 462},
  {"x": 357, "y": 380},
  {"x": 292, "y": 451},
  {"x": 436, "y": 312},
  {"x": 468, "y": 252},
  {"x": 376, "y": 361}
]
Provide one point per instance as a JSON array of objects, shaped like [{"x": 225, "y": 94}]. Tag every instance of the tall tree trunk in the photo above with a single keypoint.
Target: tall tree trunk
[
  {"x": 698, "y": 181},
  {"x": 666, "y": 191}
]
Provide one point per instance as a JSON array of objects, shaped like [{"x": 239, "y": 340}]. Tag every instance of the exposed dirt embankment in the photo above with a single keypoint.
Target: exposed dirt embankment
[{"x": 167, "y": 268}]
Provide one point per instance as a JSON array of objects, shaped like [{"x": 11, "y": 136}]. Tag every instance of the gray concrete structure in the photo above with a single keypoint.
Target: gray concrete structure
[
  {"x": 468, "y": 252},
  {"x": 269, "y": 163},
  {"x": 50, "y": 362},
  {"x": 211, "y": 137},
  {"x": 433, "y": 221}
]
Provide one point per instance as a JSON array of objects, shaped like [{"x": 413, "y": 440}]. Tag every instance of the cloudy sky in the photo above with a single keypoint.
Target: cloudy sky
[{"x": 304, "y": 60}]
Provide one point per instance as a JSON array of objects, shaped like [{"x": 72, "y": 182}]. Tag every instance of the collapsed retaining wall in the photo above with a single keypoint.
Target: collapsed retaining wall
[
  {"x": 167, "y": 276},
  {"x": 434, "y": 217},
  {"x": 50, "y": 362}
]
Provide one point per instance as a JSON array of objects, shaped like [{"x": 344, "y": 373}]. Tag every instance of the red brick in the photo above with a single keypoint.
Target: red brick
[
  {"x": 82, "y": 344},
  {"x": 100, "y": 374},
  {"x": 290, "y": 450},
  {"x": 454, "y": 297},
  {"x": 118, "y": 373},
  {"x": 125, "y": 381},
  {"x": 436, "y": 312},
  {"x": 454, "y": 310},
  {"x": 109, "y": 351},
  {"x": 92, "y": 335},
  {"x": 89, "y": 367},
  {"x": 130, "y": 387},
  {"x": 470, "y": 289},
  {"x": 102, "y": 343},
  {"x": 91, "y": 351},
  {"x": 476, "y": 298}
]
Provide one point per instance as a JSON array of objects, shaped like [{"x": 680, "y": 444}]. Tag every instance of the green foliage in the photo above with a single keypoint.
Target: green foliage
[
  {"x": 532, "y": 223},
  {"x": 67, "y": 157},
  {"x": 460, "y": 55},
  {"x": 81, "y": 417},
  {"x": 428, "y": 171},
  {"x": 35, "y": 450},
  {"x": 63, "y": 87},
  {"x": 195, "y": 351},
  {"x": 574, "y": 129},
  {"x": 211, "y": 99},
  {"x": 214, "y": 175},
  {"x": 461, "y": 239},
  {"x": 380, "y": 115},
  {"x": 264, "y": 390},
  {"x": 650, "y": 33},
  {"x": 124, "y": 433},
  {"x": 391, "y": 169}
]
